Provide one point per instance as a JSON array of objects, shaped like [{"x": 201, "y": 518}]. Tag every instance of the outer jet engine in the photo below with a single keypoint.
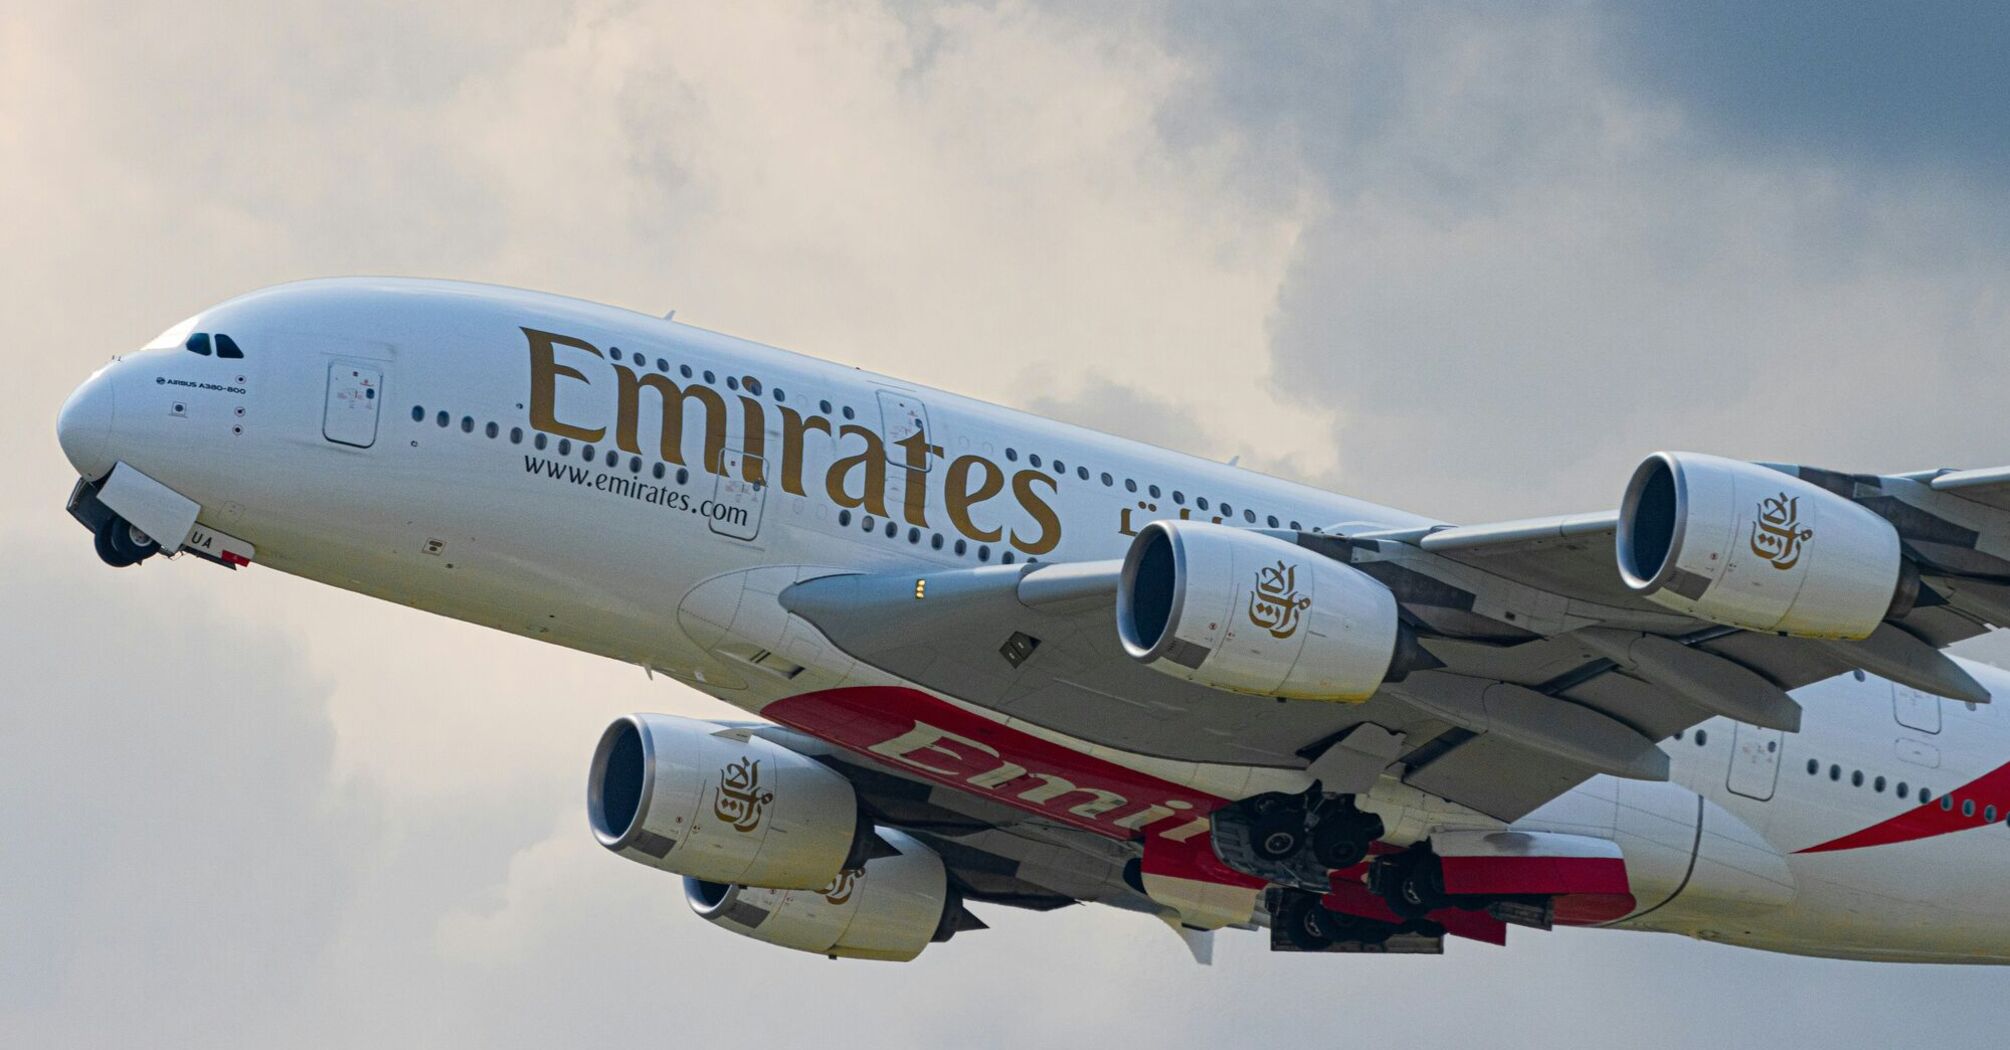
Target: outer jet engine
[
  {"x": 717, "y": 803},
  {"x": 1747, "y": 546},
  {"x": 1250, "y": 613},
  {"x": 890, "y": 908}
]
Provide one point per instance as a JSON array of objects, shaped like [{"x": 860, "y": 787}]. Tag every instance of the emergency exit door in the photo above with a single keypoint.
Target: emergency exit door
[
  {"x": 901, "y": 417},
  {"x": 1915, "y": 709},
  {"x": 1755, "y": 761},
  {"x": 354, "y": 396}
]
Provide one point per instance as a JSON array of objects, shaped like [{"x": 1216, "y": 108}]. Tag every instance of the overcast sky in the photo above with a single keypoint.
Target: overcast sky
[{"x": 1470, "y": 261}]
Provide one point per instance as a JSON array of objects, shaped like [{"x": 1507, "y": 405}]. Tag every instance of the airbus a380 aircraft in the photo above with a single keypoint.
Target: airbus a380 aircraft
[{"x": 1002, "y": 660}]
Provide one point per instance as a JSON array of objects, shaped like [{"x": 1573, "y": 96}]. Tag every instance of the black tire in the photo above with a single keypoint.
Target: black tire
[
  {"x": 1342, "y": 839},
  {"x": 1417, "y": 887},
  {"x": 1303, "y": 921},
  {"x": 128, "y": 542},
  {"x": 1277, "y": 835},
  {"x": 1345, "y": 927},
  {"x": 108, "y": 552}
]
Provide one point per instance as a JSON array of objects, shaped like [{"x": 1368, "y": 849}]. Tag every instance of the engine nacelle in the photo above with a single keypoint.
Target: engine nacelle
[
  {"x": 1250, "y": 613},
  {"x": 1739, "y": 544},
  {"x": 890, "y": 908},
  {"x": 720, "y": 804}
]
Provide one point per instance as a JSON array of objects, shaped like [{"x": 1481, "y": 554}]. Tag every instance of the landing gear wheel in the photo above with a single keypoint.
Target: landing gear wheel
[
  {"x": 1303, "y": 921},
  {"x": 120, "y": 544},
  {"x": 1341, "y": 838},
  {"x": 1345, "y": 927},
  {"x": 110, "y": 552},
  {"x": 1277, "y": 834},
  {"x": 1415, "y": 886}
]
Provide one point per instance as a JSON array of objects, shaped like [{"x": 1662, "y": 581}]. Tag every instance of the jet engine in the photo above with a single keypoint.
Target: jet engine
[
  {"x": 718, "y": 803},
  {"x": 1747, "y": 546},
  {"x": 890, "y": 908},
  {"x": 1247, "y": 612}
]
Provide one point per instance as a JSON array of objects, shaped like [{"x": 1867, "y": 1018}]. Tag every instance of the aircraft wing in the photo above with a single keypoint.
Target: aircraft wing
[{"x": 1541, "y": 665}]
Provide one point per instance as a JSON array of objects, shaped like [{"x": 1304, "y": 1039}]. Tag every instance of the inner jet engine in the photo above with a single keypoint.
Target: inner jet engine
[
  {"x": 1247, "y": 612},
  {"x": 716, "y": 803},
  {"x": 890, "y": 908},
  {"x": 1747, "y": 546}
]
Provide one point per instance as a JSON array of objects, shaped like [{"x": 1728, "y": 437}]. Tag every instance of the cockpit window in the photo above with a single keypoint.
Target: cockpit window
[{"x": 200, "y": 343}]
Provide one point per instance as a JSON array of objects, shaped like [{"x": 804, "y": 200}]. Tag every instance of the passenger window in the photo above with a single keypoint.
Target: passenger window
[
  {"x": 198, "y": 343},
  {"x": 227, "y": 347}
]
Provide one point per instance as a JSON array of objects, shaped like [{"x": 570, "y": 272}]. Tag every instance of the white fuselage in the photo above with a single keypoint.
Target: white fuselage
[{"x": 543, "y": 495}]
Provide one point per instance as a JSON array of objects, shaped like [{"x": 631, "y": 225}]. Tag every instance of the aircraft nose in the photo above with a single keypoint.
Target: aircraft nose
[{"x": 84, "y": 427}]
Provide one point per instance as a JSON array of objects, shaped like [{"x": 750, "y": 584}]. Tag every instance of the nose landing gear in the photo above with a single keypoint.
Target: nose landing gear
[{"x": 119, "y": 542}]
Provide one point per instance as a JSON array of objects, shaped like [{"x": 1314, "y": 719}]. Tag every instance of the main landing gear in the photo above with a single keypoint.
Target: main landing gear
[
  {"x": 1306, "y": 924},
  {"x": 1295, "y": 839},
  {"x": 1412, "y": 883}
]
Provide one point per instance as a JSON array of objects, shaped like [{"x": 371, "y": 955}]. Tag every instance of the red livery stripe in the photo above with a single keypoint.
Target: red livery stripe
[{"x": 1930, "y": 819}]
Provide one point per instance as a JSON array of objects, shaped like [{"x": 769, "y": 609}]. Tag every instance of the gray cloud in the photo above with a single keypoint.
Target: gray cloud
[
  {"x": 1914, "y": 89},
  {"x": 1530, "y": 269}
]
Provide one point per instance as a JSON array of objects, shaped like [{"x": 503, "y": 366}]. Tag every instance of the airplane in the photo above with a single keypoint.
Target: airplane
[{"x": 992, "y": 659}]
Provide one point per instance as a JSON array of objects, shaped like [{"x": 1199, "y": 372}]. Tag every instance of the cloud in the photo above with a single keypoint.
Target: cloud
[
  {"x": 1907, "y": 90},
  {"x": 177, "y": 850},
  {"x": 1530, "y": 271}
]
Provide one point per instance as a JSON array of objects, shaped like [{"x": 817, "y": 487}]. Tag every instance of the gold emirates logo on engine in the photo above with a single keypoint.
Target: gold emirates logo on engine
[
  {"x": 841, "y": 887},
  {"x": 741, "y": 800},
  {"x": 1275, "y": 605},
  {"x": 1777, "y": 536}
]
